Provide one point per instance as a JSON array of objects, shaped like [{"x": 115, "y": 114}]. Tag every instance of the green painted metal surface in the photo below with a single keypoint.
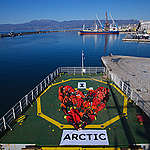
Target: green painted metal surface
[{"x": 36, "y": 130}]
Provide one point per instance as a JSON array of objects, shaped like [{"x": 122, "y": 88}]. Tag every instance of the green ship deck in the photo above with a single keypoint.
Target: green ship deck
[{"x": 44, "y": 122}]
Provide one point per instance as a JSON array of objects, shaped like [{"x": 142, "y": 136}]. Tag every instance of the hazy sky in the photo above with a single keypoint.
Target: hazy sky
[{"x": 20, "y": 11}]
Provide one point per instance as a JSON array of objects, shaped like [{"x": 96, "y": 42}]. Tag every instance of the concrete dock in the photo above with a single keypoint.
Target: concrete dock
[
  {"x": 136, "y": 40},
  {"x": 134, "y": 71}
]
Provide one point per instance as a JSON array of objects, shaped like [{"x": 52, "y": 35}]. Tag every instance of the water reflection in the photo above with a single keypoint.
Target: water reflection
[
  {"x": 100, "y": 39},
  {"x": 106, "y": 42}
]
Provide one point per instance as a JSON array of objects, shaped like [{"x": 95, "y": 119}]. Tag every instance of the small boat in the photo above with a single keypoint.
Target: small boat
[
  {"x": 100, "y": 29},
  {"x": 139, "y": 36}
]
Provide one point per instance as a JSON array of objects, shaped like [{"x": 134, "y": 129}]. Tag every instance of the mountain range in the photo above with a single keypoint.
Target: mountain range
[{"x": 46, "y": 24}]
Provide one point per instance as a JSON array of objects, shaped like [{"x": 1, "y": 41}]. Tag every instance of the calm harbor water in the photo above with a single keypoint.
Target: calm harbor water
[{"x": 27, "y": 60}]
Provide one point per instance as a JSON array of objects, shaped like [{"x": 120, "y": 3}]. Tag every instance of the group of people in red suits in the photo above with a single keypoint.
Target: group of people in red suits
[{"x": 79, "y": 109}]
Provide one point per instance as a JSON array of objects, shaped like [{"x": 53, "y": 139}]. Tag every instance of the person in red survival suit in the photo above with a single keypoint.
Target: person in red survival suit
[
  {"x": 90, "y": 95},
  {"x": 99, "y": 89},
  {"x": 60, "y": 93},
  {"x": 106, "y": 98},
  {"x": 79, "y": 102},
  {"x": 75, "y": 113},
  {"x": 68, "y": 89},
  {"x": 79, "y": 94},
  {"x": 87, "y": 118},
  {"x": 101, "y": 107},
  {"x": 100, "y": 95},
  {"x": 95, "y": 103},
  {"x": 98, "y": 107},
  {"x": 86, "y": 104},
  {"x": 66, "y": 104},
  {"x": 64, "y": 108},
  {"x": 73, "y": 99},
  {"x": 73, "y": 117}
]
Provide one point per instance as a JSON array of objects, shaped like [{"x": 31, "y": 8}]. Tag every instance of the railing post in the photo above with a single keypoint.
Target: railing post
[
  {"x": 26, "y": 97},
  {"x": 131, "y": 95},
  {"x": 45, "y": 82},
  {"x": 104, "y": 70},
  {"x": 41, "y": 86},
  {"x": 51, "y": 76},
  {"x": 74, "y": 70},
  {"x": 54, "y": 73},
  {"x": 4, "y": 123},
  {"x": 137, "y": 100},
  {"x": 37, "y": 92},
  {"x": 13, "y": 111},
  {"x": 127, "y": 89},
  {"x": 32, "y": 95},
  {"x": 115, "y": 79},
  {"x": 60, "y": 71},
  {"x": 57, "y": 71},
  {"x": 122, "y": 85},
  {"x": 20, "y": 106},
  {"x": 48, "y": 79}
]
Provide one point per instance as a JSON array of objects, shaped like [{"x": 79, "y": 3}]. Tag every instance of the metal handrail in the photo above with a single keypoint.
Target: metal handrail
[{"x": 131, "y": 93}]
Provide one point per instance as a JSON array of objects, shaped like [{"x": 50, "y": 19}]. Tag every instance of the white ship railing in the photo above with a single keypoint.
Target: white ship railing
[
  {"x": 8, "y": 120},
  {"x": 131, "y": 93},
  {"x": 85, "y": 70}
]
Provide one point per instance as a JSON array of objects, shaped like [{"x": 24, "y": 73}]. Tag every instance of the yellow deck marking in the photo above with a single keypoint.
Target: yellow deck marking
[
  {"x": 125, "y": 99},
  {"x": 38, "y": 106},
  {"x": 104, "y": 125},
  {"x": 81, "y": 79},
  {"x": 51, "y": 120},
  {"x": 67, "y": 126},
  {"x": 99, "y": 81},
  {"x": 111, "y": 121},
  {"x": 60, "y": 148},
  {"x": 21, "y": 119},
  {"x": 125, "y": 105},
  {"x": 118, "y": 89},
  {"x": 80, "y": 148},
  {"x": 63, "y": 126}
]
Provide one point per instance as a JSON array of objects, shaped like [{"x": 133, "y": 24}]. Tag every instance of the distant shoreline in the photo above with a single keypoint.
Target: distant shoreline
[{"x": 14, "y": 34}]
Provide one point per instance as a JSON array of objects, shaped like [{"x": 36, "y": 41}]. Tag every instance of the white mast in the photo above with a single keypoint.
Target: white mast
[
  {"x": 99, "y": 21},
  {"x": 112, "y": 19},
  {"x": 82, "y": 59},
  {"x": 84, "y": 27},
  {"x": 82, "y": 65}
]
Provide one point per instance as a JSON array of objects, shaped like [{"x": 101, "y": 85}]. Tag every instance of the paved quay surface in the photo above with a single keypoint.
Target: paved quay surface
[{"x": 135, "y": 70}]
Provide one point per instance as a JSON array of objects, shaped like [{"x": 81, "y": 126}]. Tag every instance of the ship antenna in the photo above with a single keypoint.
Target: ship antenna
[{"x": 82, "y": 65}]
